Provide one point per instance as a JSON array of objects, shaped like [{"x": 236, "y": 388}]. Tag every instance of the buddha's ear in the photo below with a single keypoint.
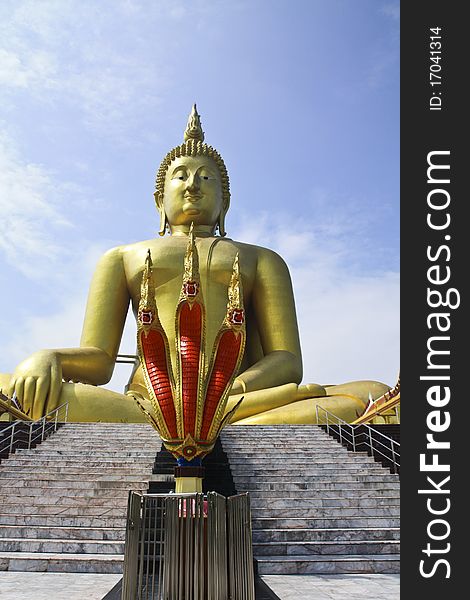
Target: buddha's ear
[
  {"x": 161, "y": 212},
  {"x": 221, "y": 223},
  {"x": 223, "y": 212}
]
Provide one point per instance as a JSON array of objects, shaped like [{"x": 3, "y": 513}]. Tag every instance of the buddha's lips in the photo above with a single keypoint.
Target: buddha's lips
[{"x": 192, "y": 197}]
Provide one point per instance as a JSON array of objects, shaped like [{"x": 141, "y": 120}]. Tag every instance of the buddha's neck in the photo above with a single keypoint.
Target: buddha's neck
[{"x": 198, "y": 230}]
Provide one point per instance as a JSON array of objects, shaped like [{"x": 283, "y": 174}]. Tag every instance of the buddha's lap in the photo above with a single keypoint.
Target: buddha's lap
[{"x": 285, "y": 403}]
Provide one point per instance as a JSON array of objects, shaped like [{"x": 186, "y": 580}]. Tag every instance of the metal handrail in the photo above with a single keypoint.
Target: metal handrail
[
  {"x": 130, "y": 359},
  {"x": 47, "y": 424},
  {"x": 352, "y": 437}
]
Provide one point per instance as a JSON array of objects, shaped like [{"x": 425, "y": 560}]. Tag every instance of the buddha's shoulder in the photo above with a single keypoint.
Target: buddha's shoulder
[
  {"x": 265, "y": 257},
  {"x": 259, "y": 251},
  {"x": 138, "y": 250},
  {"x": 134, "y": 249}
]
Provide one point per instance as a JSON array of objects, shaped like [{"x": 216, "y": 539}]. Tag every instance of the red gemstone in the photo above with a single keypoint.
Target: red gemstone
[
  {"x": 191, "y": 288},
  {"x": 237, "y": 316},
  {"x": 146, "y": 317}
]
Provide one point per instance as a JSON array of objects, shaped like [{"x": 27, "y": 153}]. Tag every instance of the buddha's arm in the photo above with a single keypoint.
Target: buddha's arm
[
  {"x": 273, "y": 302},
  {"x": 37, "y": 380}
]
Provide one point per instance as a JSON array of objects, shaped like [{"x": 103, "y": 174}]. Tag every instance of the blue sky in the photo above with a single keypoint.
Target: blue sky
[{"x": 301, "y": 98}]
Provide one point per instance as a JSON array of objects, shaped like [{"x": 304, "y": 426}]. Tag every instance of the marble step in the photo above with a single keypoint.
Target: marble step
[
  {"x": 60, "y": 509},
  {"x": 108, "y": 500},
  {"x": 300, "y": 441},
  {"x": 108, "y": 426},
  {"x": 328, "y": 564},
  {"x": 341, "y": 493},
  {"x": 271, "y": 450},
  {"x": 78, "y": 497},
  {"x": 79, "y": 457},
  {"x": 288, "y": 503},
  {"x": 286, "y": 471},
  {"x": 258, "y": 461},
  {"x": 79, "y": 448},
  {"x": 63, "y": 533},
  {"x": 118, "y": 463},
  {"x": 94, "y": 429},
  {"x": 62, "y": 519},
  {"x": 46, "y": 454},
  {"x": 284, "y": 462},
  {"x": 101, "y": 484},
  {"x": 307, "y": 458},
  {"x": 326, "y": 512},
  {"x": 19, "y": 474},
  {"x": 332, "y": 535},
  {"x": 131, "y": 471},
  {"x": 280, "y": 431},
  {"x": 327, "y": 446},
  {"x": 352, "y": 547},
  {"x": 59, "y": 563},
  {"x": 100, "y": 441},
  {"x": 105, "y": 434},
  {"x": 250, "y": 485},
  {"x": 288, "y": 522},
  {"x": 92, "y": 439},
  {"x": 271, "y": 429},
  {"x": 55, "y": 546},
  {"x": 373, "y": 474}
]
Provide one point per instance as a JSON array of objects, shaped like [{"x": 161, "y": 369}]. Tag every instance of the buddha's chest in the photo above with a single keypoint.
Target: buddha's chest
[{"x": 216, "y": 260}]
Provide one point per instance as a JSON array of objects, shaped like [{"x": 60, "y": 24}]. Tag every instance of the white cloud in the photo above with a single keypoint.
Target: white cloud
[
  {"x": 348, "y": 321},
  {"x": 31, "y": 214},
  {"x": 61, "y": 329},
  {"x": 26, "y": 71},
  {"x": 67, "y": 54},
  {"x": 349, "y": 326},
  {"x": 40, "y": 231}
]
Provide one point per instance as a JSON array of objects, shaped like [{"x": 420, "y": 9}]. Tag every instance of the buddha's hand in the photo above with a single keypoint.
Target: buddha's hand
[{"x": 37, "y": 382}]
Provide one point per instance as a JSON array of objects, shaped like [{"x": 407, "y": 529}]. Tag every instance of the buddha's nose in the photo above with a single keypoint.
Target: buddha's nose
[{"x": 193, "y": 183}]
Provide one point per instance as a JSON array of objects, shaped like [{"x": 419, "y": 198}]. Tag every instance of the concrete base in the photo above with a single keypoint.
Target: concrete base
[
  {"x": 59, "y": 586},
  {"x": 84, "y": 586},
  {"x": 334, "y": 587}
]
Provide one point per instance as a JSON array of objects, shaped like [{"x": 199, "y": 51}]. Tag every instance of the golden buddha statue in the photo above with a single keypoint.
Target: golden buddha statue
[{"x": 192, "y": 187}]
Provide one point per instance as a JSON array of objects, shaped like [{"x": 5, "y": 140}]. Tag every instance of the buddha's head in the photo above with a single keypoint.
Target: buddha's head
[{"x": 192, "y": 183}]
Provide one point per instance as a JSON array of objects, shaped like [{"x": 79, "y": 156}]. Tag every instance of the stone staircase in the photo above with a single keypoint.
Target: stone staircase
[
  {"x": 63, "y": 504},
  {"x": 316, "y": 507}
]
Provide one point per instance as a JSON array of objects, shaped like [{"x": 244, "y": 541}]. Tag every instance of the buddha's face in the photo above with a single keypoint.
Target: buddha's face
[{"x": 193, "y": 191}]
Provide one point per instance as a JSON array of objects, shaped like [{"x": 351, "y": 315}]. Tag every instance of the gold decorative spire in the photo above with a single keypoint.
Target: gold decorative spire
[
  {"x": 235, "y": 312},
  {"x": 191, "y": 262},
  {"x": 193, "y": 128},
  {"x": 235, "y": 287},
  {"x": 147, "y": 305}
]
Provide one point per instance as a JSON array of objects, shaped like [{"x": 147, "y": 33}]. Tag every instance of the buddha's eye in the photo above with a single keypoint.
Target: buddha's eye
[
  {"x": 181, "y": 175},
  {"x": 205, "y": 175}
]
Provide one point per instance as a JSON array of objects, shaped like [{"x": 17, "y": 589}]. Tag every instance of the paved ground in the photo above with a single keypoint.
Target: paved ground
[
  {"x": 334, "y": 587},
  {"x": 55, "y": 586},
  {"x": 81, "y": 586}
]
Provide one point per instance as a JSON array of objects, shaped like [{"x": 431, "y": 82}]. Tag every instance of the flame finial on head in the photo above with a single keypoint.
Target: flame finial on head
[{"x": 193, "y": 129}]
